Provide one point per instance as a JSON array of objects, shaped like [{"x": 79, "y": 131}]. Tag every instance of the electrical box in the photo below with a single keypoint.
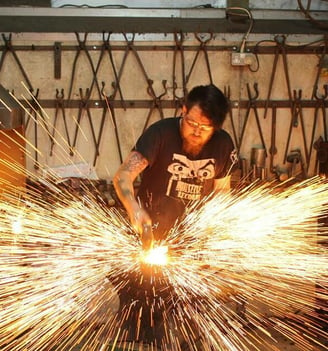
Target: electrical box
[{"x": 242, "y": 59}]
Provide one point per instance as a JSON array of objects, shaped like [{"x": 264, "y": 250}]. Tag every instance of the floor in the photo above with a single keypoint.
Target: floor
[{"x": 281, "y": 344}]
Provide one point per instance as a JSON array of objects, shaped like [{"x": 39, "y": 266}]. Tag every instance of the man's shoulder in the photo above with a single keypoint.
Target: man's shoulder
[
  {"x": 222, "y": 135},
  {"x": 168, "y": 121},
  {"x": 168, "y": 124},
  {"x": 223, "y": 140}
]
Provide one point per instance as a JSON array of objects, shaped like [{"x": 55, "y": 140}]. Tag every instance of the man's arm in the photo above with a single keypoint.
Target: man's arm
[{"x": 123, "y": 180}]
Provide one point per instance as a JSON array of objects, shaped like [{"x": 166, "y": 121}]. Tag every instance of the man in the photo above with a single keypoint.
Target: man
[{"x": 180, "y": 160}]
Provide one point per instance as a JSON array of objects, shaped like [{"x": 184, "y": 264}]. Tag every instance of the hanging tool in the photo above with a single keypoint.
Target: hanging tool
[
  {"x": 150, "y": 90},
  {"x": 60, "y": 108},
  {"x": 252, "y": 106},
  {"x": 297, "y": 115},
  {"x": 117, "y": 85},
  {"x": 320, "y": 66},
  {"x": 119, "y": 74},
  {"x": 85, "y": 108},
  {"x": 178, "y": 48},
  {"x": 34, "y": 114},
  {"x": 100, "y": 133},
  {"x": 227, "y": 94},
  {"x": 156, "y": 104},
  {"x": 320, "y": 105},
  {"x": 9, "y": 48},
  {"x": 273, "y": 148},
  {"x": 83, "y": 48},
  {"x": 111, "y": 110},
  {"x": 279, "y": 50},
  {"x": 202, "y": 48},
  {"x": 106, "y": 47},
  {"x": 131, "y": 46}
]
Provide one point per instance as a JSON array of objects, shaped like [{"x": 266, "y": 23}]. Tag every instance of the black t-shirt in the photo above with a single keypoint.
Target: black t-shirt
[{"x": 173, "y": 179}]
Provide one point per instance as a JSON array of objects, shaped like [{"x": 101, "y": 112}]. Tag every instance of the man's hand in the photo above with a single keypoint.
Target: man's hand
[
  {"x": 147, "y": 237},
  {"x": 141, "y": 222}
]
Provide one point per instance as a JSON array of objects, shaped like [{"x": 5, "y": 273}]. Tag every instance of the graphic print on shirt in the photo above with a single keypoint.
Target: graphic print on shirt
[{"x": 188, "y": 176}]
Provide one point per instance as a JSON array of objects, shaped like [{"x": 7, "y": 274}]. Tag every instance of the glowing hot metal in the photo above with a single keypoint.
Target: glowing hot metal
[{"x": 156, "y": 256}]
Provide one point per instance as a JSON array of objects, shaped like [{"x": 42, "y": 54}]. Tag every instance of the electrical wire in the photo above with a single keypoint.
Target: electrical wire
[
  {"x": 249, "y": 14},
  {"x": 307, "y": 14},
  {"x": 255, "y": 51},
  {"x": 114, "y": 6},
  {"x": 122, "y": 6}
]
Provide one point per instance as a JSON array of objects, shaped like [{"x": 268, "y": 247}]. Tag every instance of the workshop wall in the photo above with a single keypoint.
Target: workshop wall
[{"x": 98, "y": 93}]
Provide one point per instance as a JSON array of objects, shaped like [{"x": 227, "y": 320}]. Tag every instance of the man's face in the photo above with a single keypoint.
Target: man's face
[{"x": 196, "y": 128}]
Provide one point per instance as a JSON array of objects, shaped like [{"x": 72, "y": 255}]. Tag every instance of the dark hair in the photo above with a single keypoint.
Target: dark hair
[{"x": 211, "y": 101}]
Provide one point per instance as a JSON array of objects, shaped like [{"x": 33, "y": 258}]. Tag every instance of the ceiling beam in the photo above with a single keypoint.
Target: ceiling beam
[{"x": 132, "y": 20}]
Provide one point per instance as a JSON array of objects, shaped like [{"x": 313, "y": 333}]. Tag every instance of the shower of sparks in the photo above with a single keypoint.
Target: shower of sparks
[
  {"x": 256, "y": 247},
  {"x": 239, "y": 270},
  {"x": 62, "y": 264}
]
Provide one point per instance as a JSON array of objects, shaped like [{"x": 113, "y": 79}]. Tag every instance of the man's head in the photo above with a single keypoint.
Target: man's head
[
  {"x": 211, "y": 101},
  {"x": 203, "y": 113}
]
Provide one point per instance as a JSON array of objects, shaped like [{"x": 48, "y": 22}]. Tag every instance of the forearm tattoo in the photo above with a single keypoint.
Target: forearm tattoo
[{"x": 134, "y": 164}]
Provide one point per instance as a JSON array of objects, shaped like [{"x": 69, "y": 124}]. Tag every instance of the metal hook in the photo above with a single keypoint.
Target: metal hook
[
  {"x": 60, "y": 95},
  {"x": 323, "y": 97},
  {"x": 250, "y": 94},
  {"x": 206, "y": 38}
]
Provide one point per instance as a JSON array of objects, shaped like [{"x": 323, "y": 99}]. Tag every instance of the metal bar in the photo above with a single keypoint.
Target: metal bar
[
  {"x": 168, "y": 104},
  {"x": 263, "y": 50},
  {"x": 57, "y": 60}
]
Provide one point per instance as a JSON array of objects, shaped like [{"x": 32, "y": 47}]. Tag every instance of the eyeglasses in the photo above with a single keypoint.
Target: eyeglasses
[{"x": 193, "y": 124}]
